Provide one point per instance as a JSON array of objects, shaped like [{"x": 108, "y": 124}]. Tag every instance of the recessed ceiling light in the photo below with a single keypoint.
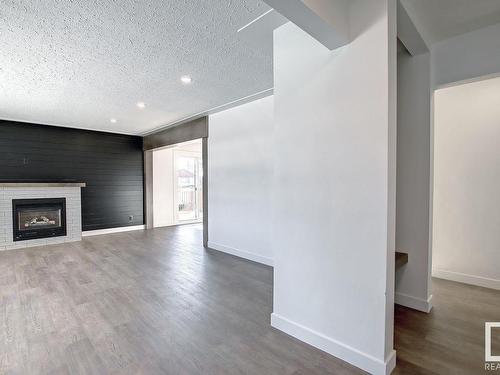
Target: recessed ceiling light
[
  {"x": 113, "y": 121},
  {"x": 186, "y": 80},
  {"x": 141, "y": 105}
]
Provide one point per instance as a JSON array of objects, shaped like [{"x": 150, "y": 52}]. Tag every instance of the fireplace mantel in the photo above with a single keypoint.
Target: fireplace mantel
[{"x": 41, "y": 184}]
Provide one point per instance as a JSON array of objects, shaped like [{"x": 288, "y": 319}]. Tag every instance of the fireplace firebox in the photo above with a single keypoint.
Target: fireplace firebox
[{"x": 38, "y": 218}]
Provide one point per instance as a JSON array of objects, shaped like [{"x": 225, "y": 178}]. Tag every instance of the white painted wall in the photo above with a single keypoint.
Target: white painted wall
[
  {"x": 467, "y": 56},
  {"x": 334, "y": 196},
  {"x": 163, "y": 187},
  {"x": 239, "y": 180},
  {"x": 413, "y": 180},
  {"x": 467, "y": 183}
]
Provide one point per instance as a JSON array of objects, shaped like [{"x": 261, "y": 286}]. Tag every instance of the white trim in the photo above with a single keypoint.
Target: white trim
[
  {"x": 241, "y": 253},
  {"x": 336, "y": 348},
  {"x": 211, "y": 111},
  {"x": 98, "y": 232},
  {"x": 255, "y": 20},
  {"x": 187, "y": 222},
  {"x": 390, "y": 362},
  {"x": 412, "y": 302},
  {"x": 485, "y": 282}
]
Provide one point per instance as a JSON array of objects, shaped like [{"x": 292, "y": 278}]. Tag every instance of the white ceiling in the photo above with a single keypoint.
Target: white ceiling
[
  {"x": 441, "y": 19},
  {"x": 83, "y": 62}
]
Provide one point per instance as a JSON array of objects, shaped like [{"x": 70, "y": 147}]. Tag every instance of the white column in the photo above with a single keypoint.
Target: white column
[{"x": 334, "y": 188}]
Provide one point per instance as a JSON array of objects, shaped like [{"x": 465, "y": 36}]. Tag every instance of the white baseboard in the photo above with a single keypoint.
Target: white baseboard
[
  {"x": 415, "y": 303},
  {"x": 336, "y": 348},
  {"x": 241, "y": 253},
  {"x": 98, "y": 232},
  {"x": 485, "y": 282}
]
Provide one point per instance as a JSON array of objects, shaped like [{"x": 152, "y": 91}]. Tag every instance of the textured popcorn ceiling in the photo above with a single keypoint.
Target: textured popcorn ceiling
[{"x": 79, "y": 63}]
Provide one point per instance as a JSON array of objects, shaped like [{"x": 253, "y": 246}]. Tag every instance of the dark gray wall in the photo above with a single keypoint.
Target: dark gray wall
[
  {"x": 110, "y": 164},
  {"x": 186, "y": 131}
]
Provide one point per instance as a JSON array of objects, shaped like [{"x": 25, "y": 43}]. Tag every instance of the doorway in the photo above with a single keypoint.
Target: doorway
[
  {"x": 466, "y": 183},
  {"x": 188, "y": 194},
  {"x": 193, "y": 133},
  {"x": 177, "y": 184}
]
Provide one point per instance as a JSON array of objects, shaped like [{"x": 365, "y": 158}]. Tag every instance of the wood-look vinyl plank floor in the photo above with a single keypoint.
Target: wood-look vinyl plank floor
[
  {"x": 450, "y": 339},
  {"x": 157, "y": 302},
  {"x": 144, "y": 302}
]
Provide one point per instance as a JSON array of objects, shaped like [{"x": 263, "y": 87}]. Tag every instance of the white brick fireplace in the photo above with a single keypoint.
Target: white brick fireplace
[{"x": 22, "y": 190}]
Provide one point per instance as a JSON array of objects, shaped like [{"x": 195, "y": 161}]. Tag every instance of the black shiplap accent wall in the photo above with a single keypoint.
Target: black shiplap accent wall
[{"x": 110, "y": 164}]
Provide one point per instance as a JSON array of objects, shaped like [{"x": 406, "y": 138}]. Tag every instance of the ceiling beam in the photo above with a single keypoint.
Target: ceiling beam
[
  {"x": 184, "y": 132},
  {"x": 325, "y": 20},
  {"x": 408, "y": 33}
]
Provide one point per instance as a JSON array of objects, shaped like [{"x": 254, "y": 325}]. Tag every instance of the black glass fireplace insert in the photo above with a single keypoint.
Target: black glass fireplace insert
[{"x": 38, "y": 218}]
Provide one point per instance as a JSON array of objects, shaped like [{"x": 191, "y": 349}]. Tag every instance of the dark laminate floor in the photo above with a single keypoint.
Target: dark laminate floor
[
  {"x": 144, "y": 302},
  {"x": 156, "y": 302},
  {"x": 449, "y": 340}
]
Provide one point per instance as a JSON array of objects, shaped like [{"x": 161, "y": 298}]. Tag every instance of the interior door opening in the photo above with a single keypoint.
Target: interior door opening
[
  {"x": 189, "y": 177},
  {"x": 177, "y": 184}
]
